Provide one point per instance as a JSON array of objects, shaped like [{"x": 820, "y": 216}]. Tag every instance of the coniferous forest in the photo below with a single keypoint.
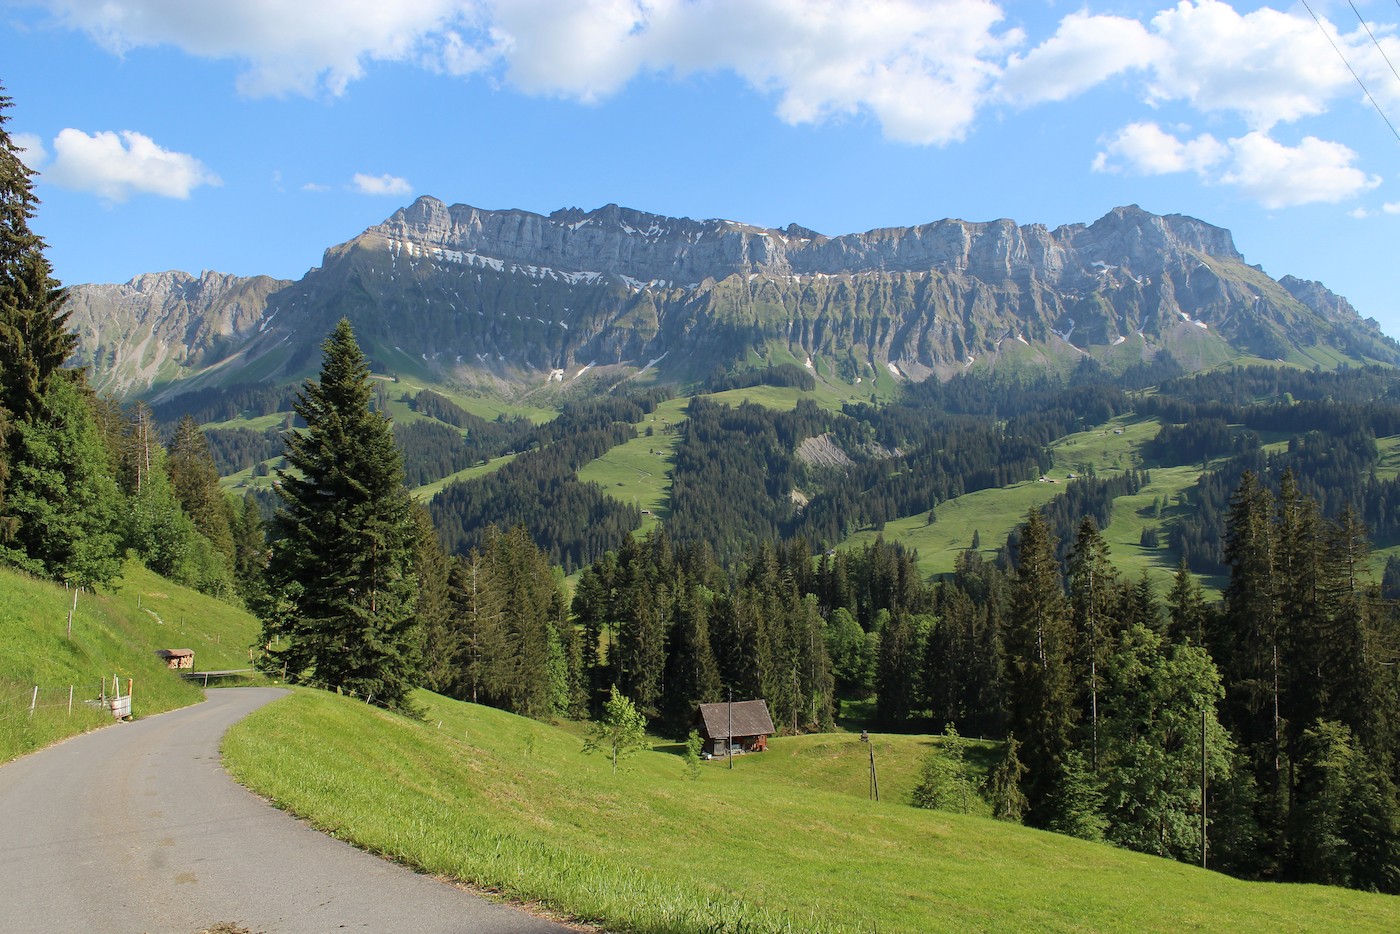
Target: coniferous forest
[{"x": 1257, "y": 731}]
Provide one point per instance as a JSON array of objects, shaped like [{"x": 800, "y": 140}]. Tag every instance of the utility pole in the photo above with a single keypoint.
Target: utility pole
[
  {"x": 729, "y": 740},
  {"x": 874, "y": 779},
  {"x": 1203, "y": 788}
]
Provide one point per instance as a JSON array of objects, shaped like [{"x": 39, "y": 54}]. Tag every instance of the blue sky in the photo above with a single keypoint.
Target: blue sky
[{"x": 246, "y": 136}]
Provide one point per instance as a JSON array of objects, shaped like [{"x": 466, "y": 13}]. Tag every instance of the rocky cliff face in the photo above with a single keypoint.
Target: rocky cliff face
[
  {"x": 466, "y": 294},
  {"x": 163, "y": 326}
]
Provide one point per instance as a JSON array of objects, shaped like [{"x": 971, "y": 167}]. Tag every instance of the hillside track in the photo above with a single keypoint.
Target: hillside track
[{"x": 137, "y": 828}]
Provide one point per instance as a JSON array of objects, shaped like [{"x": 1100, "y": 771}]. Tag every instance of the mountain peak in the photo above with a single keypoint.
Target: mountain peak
[{"x": 497, "y": 297}]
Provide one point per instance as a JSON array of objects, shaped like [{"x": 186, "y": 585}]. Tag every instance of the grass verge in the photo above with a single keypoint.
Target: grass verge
[
  {"x": 114, "y": 633},
  {"x": 513, "y": 806}
]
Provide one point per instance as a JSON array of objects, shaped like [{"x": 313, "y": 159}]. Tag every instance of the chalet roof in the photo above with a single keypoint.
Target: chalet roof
[
  {"x": 174, "y": 653},
  {"x": 750, "y": 719}
]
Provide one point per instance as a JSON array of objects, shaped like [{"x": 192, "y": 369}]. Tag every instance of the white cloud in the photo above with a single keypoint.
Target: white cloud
[
  {"x": 30, "y": 149},
  {"x": 115, "y": 166},
  {"x": 315, "y": 187},
  {"x": 296, "y": 47},
  {"x": 1085, "y": 51},
  {"x": 1147, "y": 149},
  {"x": 1279, "y": 176},
  {"x": 922, "y": 68},
  {"x": 380, "y": 185},
  {"x": 1264, "y": 170},
  {"x": 1266, "y": 65},
  {"x": 1391, "y": 207}
]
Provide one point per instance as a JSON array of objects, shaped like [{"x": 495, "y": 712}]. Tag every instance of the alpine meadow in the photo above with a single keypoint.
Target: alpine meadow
[{"x": 661, "y": 574}]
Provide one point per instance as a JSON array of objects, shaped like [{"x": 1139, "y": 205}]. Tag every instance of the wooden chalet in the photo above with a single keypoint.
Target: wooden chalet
[
  {"x": 177, "y": 658},
  {"x": 751, "y": 728}
]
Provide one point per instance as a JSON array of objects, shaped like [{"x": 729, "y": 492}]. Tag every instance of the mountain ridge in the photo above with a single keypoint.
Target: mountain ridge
[{"x": 506, "y": 299}]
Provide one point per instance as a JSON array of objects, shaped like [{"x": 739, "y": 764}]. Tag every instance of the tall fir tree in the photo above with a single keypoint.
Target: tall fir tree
[
  {"x": 34, "y": 339},
  {"x": 57, "y": 503},
  {"x": 1093, "y": 589},
  {"x": 344, "y": 558},
  {"x": 195, "y": 480},
  {"x": 1245, "y": 646},
  {"x": 1186, "y": 609},
  {"x": 434, "y": 608},
  {"x": 1038, "y": 643}
]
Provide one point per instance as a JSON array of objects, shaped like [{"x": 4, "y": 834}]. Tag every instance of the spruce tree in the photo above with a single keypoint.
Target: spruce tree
[
  {"x": 1245, "y": 646},
  {"x": 34, "y": 340},
  {"x": 57, "y": 502},
  {"x": 195, "y": 480},
  {"x": 1040, "y": 687},
  {"x": 1093, "y": 588},
  {"x": 345, "y": 556},
  {"x": 1186, "y": 609}
]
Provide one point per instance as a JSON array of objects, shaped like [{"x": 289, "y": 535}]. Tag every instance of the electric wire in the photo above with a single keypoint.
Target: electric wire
[
  {"x": 1361, "y": 83},
  {"x": 1374, "y": 41}
]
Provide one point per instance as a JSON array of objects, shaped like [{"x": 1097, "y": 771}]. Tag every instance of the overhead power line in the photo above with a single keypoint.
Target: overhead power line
[
  {"x": 1343, "y": 57},
  {"x": 1374, "y": 41}
]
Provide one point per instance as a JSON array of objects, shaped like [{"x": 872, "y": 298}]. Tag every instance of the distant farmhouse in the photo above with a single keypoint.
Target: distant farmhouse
[{"x": 752, "y": 726}]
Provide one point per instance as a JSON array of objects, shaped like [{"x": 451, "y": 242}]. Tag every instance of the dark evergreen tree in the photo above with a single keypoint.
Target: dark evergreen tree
[
  {"x": 1245, "y": 645},
  {"x": 195, "y": 480},
  {"x": 690, "y": 676},
  {"x": 57, "y": 505},
  {"x": 34, "y": 337},
  {"x": 1093, "y": 592},
  {"x": 344, "y": 559},
  {"x": 249, "y": 553},
  {"x": 1186, "y": 609},
  {"x": 441, "y": 644},
  {"x": 1004, "y": 785},
  {"x": 897, "y": 672},
  {"x": 1038, "y": 643}
]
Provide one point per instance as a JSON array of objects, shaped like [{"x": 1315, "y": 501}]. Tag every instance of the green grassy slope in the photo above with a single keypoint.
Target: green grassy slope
[
  {"x": 514, "y": 806},
  {"x": 114, "y": 633}
]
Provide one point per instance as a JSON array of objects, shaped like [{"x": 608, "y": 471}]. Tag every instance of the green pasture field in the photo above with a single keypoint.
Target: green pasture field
[
  {"x": 786, "y": 841},
  {"x": 637, "y": 472},
  {"x": 1107, "y": 450},
  {"x": 115, "y": 632},
  {"x": 429, "y": 490}
]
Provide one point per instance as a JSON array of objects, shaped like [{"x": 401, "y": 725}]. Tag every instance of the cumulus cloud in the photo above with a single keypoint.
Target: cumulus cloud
[
  {"x": 1267, "y": 66},
  {"x": 1391, "y": 207},
  {"x": 380, "y": 185},
  {"x": 1279, "y": 176},
  {"x": 1147, "y": 149},
  {"x": 1085, "y": 51},
  {"x": 115, "y": 166},
  {"x": 922, "y": 68},
  {"x": 30, "y": 149},
  {"x": 1264, "y": 170},
  {"x": 299, "y": 47}
]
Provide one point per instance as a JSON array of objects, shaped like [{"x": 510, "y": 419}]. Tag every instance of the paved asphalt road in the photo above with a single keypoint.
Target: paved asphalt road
[{"x": 136, "y": 829}]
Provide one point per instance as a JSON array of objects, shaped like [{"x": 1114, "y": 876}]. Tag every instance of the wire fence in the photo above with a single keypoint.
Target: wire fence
[{"x": 19, "y": 702}]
